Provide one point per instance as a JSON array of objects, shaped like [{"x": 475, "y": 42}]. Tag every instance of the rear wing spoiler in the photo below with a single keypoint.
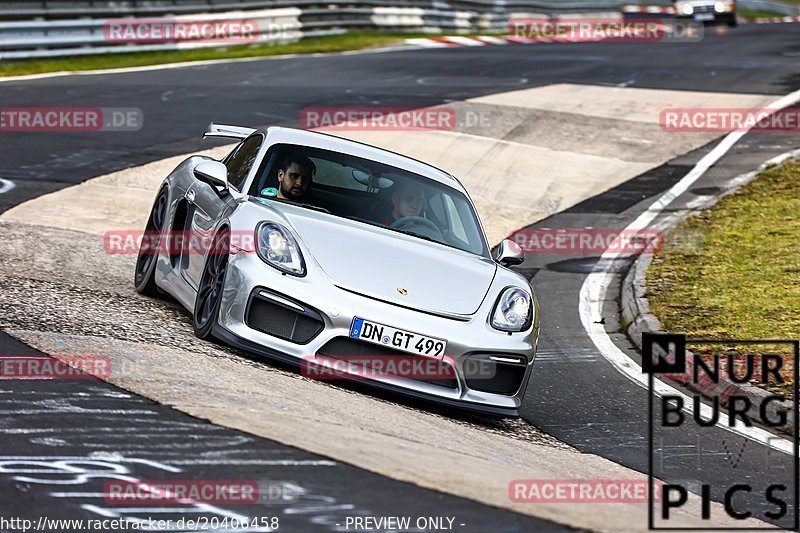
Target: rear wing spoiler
[{"x": 232, "y": 132}]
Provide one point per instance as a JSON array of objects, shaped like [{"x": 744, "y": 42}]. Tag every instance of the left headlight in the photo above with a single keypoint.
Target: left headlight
[
  {"x": 276, "y": 247},
  {"x": 513, "y": 310}
]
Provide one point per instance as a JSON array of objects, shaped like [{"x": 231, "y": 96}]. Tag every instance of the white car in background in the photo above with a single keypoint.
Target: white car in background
[{"x": 707, "y": 11}]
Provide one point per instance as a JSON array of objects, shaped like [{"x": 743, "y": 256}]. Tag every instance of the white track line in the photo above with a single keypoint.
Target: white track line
[
  {"x": 593, "y": 291},
  {"x": 6, "y": 185},
  {"x": 187, "y": 64}
]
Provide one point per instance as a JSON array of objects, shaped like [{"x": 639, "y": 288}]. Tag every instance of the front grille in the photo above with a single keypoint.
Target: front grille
[
  {"x": 363, "y": 353},
  {"x": 483, "y": 374},
  {"x": 703, "y": 9},
  {"x": 282, "y": 321}
]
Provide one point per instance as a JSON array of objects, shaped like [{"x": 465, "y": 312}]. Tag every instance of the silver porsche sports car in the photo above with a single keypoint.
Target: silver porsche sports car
[{"x": 347, "y": 260}]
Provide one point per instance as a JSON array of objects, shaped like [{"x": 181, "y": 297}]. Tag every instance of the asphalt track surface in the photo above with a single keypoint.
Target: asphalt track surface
[
  {"x": 575, "y": 394},
  {"x": 596, "y": 408}
]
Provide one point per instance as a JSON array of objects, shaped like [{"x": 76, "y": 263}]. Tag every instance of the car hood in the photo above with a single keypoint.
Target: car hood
[{"x": 393, "y": 267}]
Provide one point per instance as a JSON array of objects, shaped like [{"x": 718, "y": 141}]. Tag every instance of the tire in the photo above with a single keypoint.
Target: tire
[
  {"x": 209, "y": 291},
  {"x": 144, "y": 273}
]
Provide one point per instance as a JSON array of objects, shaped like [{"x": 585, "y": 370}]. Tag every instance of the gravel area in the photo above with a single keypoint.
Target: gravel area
[{"x": 74, "y": 288}]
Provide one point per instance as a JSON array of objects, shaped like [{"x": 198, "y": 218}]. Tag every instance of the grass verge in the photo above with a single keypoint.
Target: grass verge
[
  {"x": 331, "y": 43},
  {"x": 744, "y": 281},
  {"x": 756, "y": 14}
]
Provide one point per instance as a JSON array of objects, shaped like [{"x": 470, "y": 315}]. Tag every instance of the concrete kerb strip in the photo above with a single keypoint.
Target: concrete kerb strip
[{"x": 638, "y": 319}]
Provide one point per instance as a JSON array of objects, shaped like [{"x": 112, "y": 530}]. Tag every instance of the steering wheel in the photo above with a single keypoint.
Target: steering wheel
[{"x": 406, "y": 223}]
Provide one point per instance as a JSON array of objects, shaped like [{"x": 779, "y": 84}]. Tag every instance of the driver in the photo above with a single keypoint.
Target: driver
[
  {"x": 407, "y": 201},
  {"x": 295, "y": 177}
]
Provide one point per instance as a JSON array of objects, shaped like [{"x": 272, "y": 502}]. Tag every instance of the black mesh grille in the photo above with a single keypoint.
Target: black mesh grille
[
  {"x": 350, "y": 350},
  {"x": 282, "y": 322},
  {"x": 485, "y": 375},
  {"x": 704, "y": 9},
  {"x": 494, "y": 377}
]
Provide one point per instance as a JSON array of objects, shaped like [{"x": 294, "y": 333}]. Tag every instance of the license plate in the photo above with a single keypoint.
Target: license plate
[
  {"x": 397, "y": 339},
  {"x": 704, "y": 16}
]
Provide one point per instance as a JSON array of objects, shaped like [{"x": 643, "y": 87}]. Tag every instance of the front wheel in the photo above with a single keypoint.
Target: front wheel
[
  {"x": 209, "y": 291},
  {"x": 144, "y": 278}
]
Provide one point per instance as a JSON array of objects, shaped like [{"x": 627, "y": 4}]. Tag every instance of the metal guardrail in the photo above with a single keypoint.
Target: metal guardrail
[
  {"x": 276, "y": 21},
  {"x": 52, "y": 9},
  {"x": 81, "y": 36}
]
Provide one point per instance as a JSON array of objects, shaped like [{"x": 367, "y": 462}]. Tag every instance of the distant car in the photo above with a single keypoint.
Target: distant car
[
  {"x": 707, "y": 11},
  {"x": 334, "y": 277}
]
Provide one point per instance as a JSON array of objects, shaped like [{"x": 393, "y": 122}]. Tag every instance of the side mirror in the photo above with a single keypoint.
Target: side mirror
[
  {"x": 212, "y": 172},
  {"x": 509, "y": 253}
]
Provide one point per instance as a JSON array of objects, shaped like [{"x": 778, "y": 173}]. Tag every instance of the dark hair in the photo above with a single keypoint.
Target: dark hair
[{"x": 300, "y": 160}]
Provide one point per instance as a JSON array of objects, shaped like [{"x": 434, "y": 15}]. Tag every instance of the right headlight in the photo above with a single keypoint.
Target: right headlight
[
  {"x": 276, "y": 247},
  {"x": 723, "y": 6},
  {"x": 513, "y": 310},
  {"x": 685, "y": 8}
]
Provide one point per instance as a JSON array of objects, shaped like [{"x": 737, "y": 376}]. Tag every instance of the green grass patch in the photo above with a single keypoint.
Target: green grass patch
[
  {"x": 331, "y": 43},
  {"x": 743, "y": 282},
  {"x": 755, "y": 14}
]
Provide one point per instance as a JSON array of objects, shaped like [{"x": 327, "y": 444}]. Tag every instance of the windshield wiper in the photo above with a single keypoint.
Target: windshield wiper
[
  {"x": 405, "y": 232},
  {"x": 359, "y": 219},
  {"x": 299, "y": 204},
  {"x": 313, "y": 207},
  {"x": 415, "y": 234}
]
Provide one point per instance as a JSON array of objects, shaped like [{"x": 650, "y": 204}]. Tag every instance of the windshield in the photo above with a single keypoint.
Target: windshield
[{"x": 370, "y": 192}]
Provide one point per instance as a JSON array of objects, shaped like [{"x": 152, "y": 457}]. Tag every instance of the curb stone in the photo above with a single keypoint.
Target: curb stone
[{"x": 637, "y": 319}]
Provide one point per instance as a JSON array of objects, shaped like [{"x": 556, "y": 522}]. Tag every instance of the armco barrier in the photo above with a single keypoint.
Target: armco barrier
[
  {"x": 754, "y": 5},
  {"x": 63, "y": 28},
  {"x": 30, "y": 39},
  {"x": 54, "y": 9},
  {"x": 57, "y": 30}
]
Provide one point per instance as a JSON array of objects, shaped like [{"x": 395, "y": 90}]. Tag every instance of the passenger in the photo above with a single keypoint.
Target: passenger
[{"x": 407, "y": 201}]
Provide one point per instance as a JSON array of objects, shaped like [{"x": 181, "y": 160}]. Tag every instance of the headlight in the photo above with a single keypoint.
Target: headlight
[
  {"x": 276, "y": 246},
  {"x": 686, "y": 8},
  {"x": 720, "y": 7},
  {"x": 513, "y": 310}
]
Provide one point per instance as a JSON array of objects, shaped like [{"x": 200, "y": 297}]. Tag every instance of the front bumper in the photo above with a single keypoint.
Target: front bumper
[
  {"x": 468, "y": 340},
  {"x": 710, "y": 17}
]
